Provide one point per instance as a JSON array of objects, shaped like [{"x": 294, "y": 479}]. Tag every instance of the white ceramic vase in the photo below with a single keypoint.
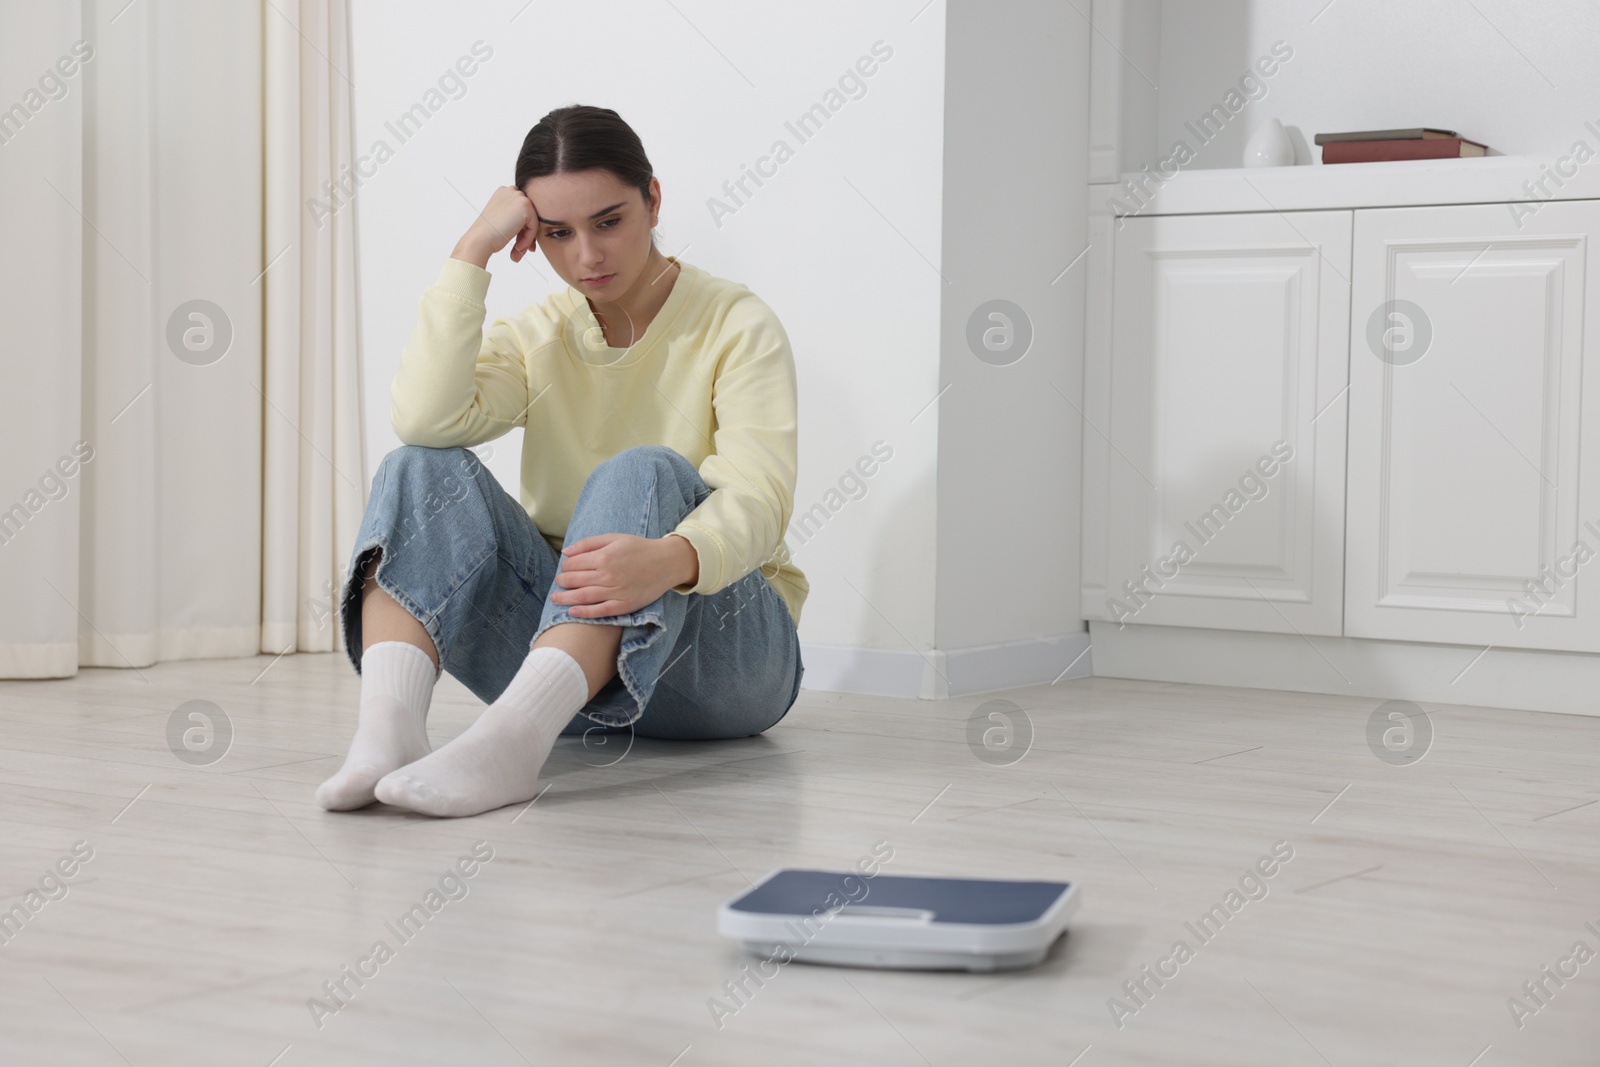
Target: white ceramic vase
[{"x": 1269, "y": 146}]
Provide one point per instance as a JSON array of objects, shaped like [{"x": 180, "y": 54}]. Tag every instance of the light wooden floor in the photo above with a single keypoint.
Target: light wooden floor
[{"x": 219, "y": 898}]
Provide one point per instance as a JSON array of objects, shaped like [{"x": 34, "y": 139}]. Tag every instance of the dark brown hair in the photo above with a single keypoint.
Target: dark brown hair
[{"x": 580, "y": 137}]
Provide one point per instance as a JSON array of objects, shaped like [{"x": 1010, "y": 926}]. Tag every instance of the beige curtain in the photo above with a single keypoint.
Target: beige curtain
[
  {"x": 180, "y": 440},
  {"x": 315, "y": 489}
]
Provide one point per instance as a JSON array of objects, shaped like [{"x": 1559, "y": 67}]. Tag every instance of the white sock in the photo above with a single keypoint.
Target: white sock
[
  {"x": 397, "y": 682},
  {"x": 496, "y": 761}
]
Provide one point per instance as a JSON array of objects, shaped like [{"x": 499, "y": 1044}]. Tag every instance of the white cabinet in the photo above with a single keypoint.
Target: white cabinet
[
  {"x": 1449, "y": 341},
  {"x": 1469, "y": 477},
  {"x": 1228, "y": 352}
]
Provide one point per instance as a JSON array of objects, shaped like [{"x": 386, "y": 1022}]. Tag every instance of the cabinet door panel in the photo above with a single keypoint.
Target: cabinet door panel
[
  {"x": 1229, "y": 336},
  {"x": 1468, "y": 475}
]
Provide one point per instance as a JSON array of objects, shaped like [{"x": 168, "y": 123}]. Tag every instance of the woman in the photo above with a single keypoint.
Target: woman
[{"x": 642, "y": 582}]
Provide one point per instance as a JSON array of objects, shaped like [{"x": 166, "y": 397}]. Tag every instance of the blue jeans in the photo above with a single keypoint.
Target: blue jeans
[{"x": 461, "y": 555}]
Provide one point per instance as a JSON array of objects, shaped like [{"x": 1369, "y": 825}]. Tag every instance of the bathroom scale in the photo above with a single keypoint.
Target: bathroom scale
[{"x": 899, "y": 921}]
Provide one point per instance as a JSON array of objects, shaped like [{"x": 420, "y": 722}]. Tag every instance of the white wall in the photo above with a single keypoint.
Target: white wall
[
  {"x": 1010, "y": 455},
  {"x": 841, "y": 242},
  {"x": 1518, "y": 75}
]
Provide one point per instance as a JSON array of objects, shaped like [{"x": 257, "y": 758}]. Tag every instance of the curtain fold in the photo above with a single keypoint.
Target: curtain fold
[
  {"x": 314, "y": 489},
  {"x": 41, "y": 405},
  {"x": 181, "y": 468}
]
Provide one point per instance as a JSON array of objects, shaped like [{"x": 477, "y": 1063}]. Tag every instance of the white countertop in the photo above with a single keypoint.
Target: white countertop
[{"x": 1482, "y": 180}]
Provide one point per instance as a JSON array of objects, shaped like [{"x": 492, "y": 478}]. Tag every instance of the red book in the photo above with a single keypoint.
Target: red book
[{"x": 1417, "y": 148}]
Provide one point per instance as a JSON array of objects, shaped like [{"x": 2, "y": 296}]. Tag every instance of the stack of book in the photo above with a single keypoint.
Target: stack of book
[{"x": 1372, "y": 146}]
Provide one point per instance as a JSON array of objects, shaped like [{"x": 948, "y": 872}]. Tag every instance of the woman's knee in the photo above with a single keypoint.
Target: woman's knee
[
  {"x": 643, "y": 457},
  {"x": 430, "y": 464},
  {"x": 415, "y": 483},
  {"x": 646, "y": 465},
  {"x": 427, "y": 526}
]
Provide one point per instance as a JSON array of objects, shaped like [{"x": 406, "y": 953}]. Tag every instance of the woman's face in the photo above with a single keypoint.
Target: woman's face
[{"x": 595, "y": 230}]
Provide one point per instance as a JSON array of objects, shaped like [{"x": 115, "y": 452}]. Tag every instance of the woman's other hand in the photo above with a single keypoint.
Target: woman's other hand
[{"x": 616, "y": 574}]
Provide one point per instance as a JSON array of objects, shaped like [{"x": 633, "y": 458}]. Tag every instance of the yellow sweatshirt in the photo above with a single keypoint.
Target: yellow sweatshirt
[{"x": 712, "y": 377}]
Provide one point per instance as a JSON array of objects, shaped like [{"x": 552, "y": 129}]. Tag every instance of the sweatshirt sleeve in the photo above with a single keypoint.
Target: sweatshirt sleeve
[
  {"x": 457, "y": 384},
  {"x": 751, "y": 470}
]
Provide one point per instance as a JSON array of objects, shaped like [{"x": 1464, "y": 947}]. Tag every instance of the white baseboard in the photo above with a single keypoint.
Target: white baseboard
[
  {"x": 945, "y": 673},
  {"x": 1349, "y": 666}
]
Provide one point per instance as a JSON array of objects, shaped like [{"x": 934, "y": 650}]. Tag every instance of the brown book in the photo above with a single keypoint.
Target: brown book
[
  {"x": 1413, "y": 134},
  {"x": 1383, "y": 151}
]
